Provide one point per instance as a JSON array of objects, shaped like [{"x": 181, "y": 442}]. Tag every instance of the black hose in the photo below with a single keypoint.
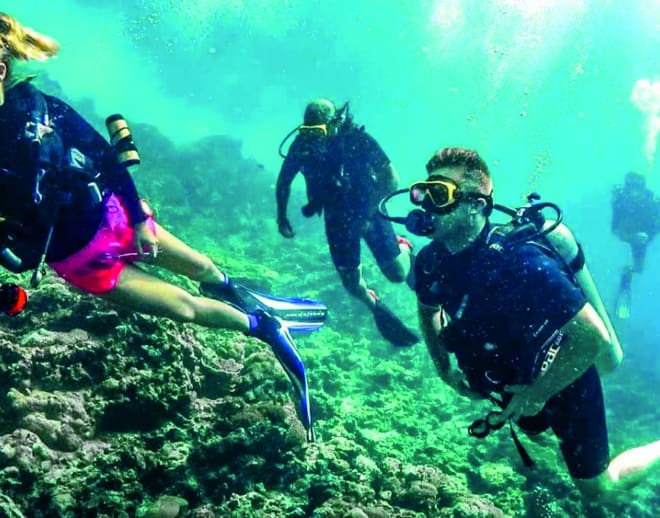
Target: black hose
[{"x": 284, "y": 140}]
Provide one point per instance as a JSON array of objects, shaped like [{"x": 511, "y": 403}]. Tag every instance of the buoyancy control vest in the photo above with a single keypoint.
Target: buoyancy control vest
[{"x": 39, "y": 174}]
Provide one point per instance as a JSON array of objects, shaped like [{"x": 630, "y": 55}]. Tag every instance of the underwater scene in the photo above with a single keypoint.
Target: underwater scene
[{"x": 252, "y": 342}]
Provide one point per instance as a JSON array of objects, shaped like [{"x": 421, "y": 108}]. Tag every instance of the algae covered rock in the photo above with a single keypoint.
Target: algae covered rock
[
  {"x": 166, "y": 507},
  {"x": 472, "y": 506}
]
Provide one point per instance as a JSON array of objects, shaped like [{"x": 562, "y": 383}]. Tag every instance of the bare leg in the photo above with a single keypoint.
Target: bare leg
[
  {"x": 395, "y": 271},
  {"x": 626, "y": 469},
  {"x": 631, "y": 464},
  {"x": 145, "y": 293},
  {"x": 176, "y": 256}
]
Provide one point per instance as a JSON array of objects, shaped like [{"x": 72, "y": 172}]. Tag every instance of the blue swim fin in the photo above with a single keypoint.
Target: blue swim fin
[
  {"x": 274, "y": 332},
  {"x": 276, "y": 318},
  {"x": 296, "y": 314}
]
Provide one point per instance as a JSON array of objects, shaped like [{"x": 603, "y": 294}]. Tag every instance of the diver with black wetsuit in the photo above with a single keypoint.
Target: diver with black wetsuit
[{"x": 346, "y": 173}]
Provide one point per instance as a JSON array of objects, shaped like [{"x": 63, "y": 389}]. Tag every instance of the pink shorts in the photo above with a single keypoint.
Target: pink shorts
[{"x": 96, "y": 268}]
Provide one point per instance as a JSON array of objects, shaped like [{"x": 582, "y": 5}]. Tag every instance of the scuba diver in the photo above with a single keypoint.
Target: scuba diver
[
  {"x": 635, "y": 220},
  {"x": 67, "y": 200},
  {"x": 504, "y": 319},
  {"x": 346, "y": 172}
]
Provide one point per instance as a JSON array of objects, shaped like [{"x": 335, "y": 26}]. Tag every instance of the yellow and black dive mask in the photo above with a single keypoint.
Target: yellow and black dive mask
[
  {"x": 441, "y": 195},
  {"x": 313, "y": 134},
  {"x": 316, "y": 130},
  {"x": 323, "y": 130}
]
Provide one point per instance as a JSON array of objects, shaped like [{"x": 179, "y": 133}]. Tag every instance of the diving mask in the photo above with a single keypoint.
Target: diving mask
[
  {"x": 316, "y": 130},
  {"x": 441, "y": 195}
]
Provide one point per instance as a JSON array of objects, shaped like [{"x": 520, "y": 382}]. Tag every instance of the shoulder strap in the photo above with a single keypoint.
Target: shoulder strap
[{"x": 507, "y": 237}]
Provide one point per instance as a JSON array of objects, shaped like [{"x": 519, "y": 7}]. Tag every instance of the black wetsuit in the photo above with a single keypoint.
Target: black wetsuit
[
  {"x": 505, "y": 307},
  {"x": 635, "y": 209},
  {"x": 79, "y": 218},
  {"x": 340, "y": 180}
]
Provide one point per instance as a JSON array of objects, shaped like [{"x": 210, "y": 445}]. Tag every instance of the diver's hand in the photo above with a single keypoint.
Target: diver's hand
[
  {"x": 146, "y": 242},
  {"x": 525, "y": 402},
  {"x": 308, "y": 210},
  {"x": 456, "y": 380},
  {"x": 285, "y": 228}
]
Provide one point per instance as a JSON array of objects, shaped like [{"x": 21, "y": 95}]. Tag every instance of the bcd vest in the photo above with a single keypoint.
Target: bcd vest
[{"x": 38, "y": 175}]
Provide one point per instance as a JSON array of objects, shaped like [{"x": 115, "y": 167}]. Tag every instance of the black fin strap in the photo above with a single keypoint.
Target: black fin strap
[{"x": 524, "y": 456}]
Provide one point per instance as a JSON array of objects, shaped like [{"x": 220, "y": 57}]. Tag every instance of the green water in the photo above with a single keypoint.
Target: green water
[{"x": 522, "y": 81}]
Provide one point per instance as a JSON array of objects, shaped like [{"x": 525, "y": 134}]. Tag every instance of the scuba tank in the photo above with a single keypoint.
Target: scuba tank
[
  {"x": 529, "y": 225},
  {"x": 121, "y": 139}
]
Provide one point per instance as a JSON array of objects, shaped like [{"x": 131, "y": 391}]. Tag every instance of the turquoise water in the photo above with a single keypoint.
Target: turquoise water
[
  {"x": 542, "y": 89},
  {"x": 531, "y": 84}
]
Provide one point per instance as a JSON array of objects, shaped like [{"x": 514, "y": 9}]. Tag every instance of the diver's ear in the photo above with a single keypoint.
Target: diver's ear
[{"x": 3, "y": 71}]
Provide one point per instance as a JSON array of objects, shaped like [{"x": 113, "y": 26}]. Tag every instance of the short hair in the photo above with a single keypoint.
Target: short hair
[
  {"x": 476, "y": 171},
  {"x": 320, "y": 111}
]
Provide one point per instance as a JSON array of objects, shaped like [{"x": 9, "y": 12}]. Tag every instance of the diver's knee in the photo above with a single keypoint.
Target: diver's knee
[
  {"x": 206, "y": 266},
  {"x": 397, "y": 276},
  {"x": 202, "y": 268},
  {"x": 186, "y": 307}
]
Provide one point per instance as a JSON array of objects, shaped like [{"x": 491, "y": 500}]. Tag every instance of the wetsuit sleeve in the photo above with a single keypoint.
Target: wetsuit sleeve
[
  {"x": 76, "y": 132},
  {"x": 288, "y": 171},
  {"x": 121, "y": 183},
  {"x": 617, "y": 210},
  {"x": 656, "y": 216},
  {"x": 423, "y": 279},
  {"x": 375, "y": 156}
]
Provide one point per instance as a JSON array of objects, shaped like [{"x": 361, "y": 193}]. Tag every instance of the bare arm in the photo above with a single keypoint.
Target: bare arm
[
  {"x": 611, "y": 355},
  {"x": 564, "y": 242},
  {"x": 584, "y": 336}
]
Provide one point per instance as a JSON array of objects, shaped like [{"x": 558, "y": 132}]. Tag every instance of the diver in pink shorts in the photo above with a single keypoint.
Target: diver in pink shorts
[
  {"x": 95, "y": 242},
  {"x": 66, "y": 200}
]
